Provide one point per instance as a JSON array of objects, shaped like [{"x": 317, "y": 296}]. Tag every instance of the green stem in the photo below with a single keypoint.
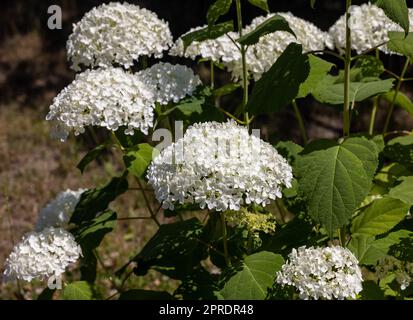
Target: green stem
[
  {"x": 396, "y": 93},
  {"x": 347, "y": 65},
  {"x": 212, "y": 74},
  {"x": 148, "y": 205},
  {"x": 225, "y": 239},
  {"x": 244, "y": 65},
  {"x": 300, "y": 121},
  {"x": 375, "y": 106}
]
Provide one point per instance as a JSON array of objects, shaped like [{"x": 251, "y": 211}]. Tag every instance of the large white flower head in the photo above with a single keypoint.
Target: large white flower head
[
  {"x": 172, "y": 82},
  {"x": 369, "y": 28},
  {"x": 218, "y": 166},
  {"x": 221, "y": 49},
  {"x": 40, "y": 255},
  {"x": 58, "y": 212},
  {"x": 117, "y": 33},
  {"x": 108, "y": 98},
  {"x": 322, "y": 273},
  {"x": 262, "y": 55}
]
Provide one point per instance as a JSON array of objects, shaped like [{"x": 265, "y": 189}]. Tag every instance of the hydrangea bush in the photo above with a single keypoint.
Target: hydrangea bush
[{"x": 247, "y": 219}]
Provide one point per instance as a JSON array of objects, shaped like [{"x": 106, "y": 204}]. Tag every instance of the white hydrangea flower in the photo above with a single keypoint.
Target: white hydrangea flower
[
  {"x": 58, "y": 212},
  {"x": 261, "y": 56},
  {"x": 41, "y": 255},
  {"x": 221, "y": 49},
  {"x": 322, "y": 273},
  {"x": 369, "y": 28},
  {"x": 117, "y": 33},
  {"x": 172, "y": 82},
  {"x": 107, "y": 98},
  {"x": 218, "y": 166}
]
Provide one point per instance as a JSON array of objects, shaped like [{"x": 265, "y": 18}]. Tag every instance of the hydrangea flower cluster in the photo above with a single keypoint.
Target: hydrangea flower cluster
[
  {"x": 58, "y": 212},
  {"x": 261, "y": 56},
  {"x": 172, "y": 82},
  {"x": 322, "y": 273},
  {"x": 369, "y": 28},
  {"x": 403, "y": 270},
  {"x": 221, "y": 49},
  {"x": 43, "y": 254},
  {"x": 108, "y": 98},
  {"x": 254, "y": 222},
  {"x": 218, "y": 166},
  {"x": 117, "y": 33}
]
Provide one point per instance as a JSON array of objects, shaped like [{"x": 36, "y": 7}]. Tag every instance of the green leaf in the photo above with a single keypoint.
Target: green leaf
[
  {"x": 90, "y": 156},
  {"x": 401, "y": 44},
  {"x": 126, "y": 140},
  {"x": 79, "y": 290},
  {"x": 256, "y": 276},
  {"x": 262, "y": 4},
  {"x": 319, "y": 68},
  {"x": 90, "y": 233},
  {"x": 328, "y": 91},
  {"x": 289, "y": 150},
  {"x": 403, "y": 191},
  {"x": 226, "y": 89},
  {"x": 46, "y": 294},
  {"x": 335, "y": 178},
  {"x": 381, "y": 216},
  {"x": 174, "y": 250},
  {"x": 400, "y": 150},
  {"x": 138, "y": 294},
  {"x": 97, "y": 200},
  {"x": 312, "y": 3},
  {"x": 397, "y": 11},
  {"x": 217, "y": 9},
  {"x": 402, "y": 100},
  {"x": 282, "y": 81},
  {"x": 273, "y": 24},
  {"x": 371, "y": 291},
  {"x": 138, "y": 159},
  {"x": 206, "y": 33},
  {"x": 369, "y": 66}
]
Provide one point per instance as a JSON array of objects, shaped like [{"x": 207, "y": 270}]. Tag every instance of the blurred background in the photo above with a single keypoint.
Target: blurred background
[{"x": 34, "y": 168}]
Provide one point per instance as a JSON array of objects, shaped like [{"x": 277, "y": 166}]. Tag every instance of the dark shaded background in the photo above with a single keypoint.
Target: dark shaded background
[{"x": 33, "y": 65}]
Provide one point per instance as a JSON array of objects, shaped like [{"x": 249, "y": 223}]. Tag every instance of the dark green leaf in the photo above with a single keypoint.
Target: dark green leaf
[
  {"x": 90, "y": 156},
  {"x": 226, "y": 89},
  {"x": 371, "y": 291},
  {"x": 273, "y": 24},
  {"x": 208, "y": 33},
  {"x": 400, "y": 150},
  {"x": 403, "y": 191},
  {"x": 397, "y": 11},
  {"x": 319, "y": 68},
  {"x": 370, "y": 66},
  {"x": 335, "y": 178},
  {"x": 280, "y": 85},
  {"x": 138, "y": 159},
  {"x": 47, "y": 294},
  {"x": 289, "y": 150},
  {"x": 79, "y": 290},
  {"x": 401, "y": 44},
  {"x": 137, "y": 294},
  {"x": 262, "y": 4},
  {"x": 257, "y": 275},
  {"x": 312, "y": 3},
  {"x": 97, "y": 200},
  {"x": 217, "y": 9}
]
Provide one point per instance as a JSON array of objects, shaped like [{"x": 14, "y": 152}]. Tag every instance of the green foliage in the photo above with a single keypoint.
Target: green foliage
[
  {"x": 401, "y": 44},
  {"x": 372, "y": 291},
  {"x": 256, "y": 276},
  {"x": 402, "y": 100},
  {"x": 212, "y": 32},
  {"x": 174, "y": 250},
  {"x": 335, "y": 178},
  {"x": 369, "y": 66},
  {"x": 90, "y": 156},
  {"x": 217, "y": 9},
  {"x": 79, "y": 290},
  {"x": 97, "y": 200},
  {"x": 319, "y": 68},
  {"x": 138, "y": 159},
  {"x": 226, "y": 89},
  {"x": 283, "y": 81},
  {"x": 404, "y": 190},
  {"x": 263, "y": 4},
  {"x": 381, "y": 216},
  {"x": 397, "y": 11},
  {"x": 273, "y": 24},
  {"x": 400, "y": 150}
]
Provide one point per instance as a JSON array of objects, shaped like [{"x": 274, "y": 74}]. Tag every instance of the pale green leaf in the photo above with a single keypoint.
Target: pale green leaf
[{"x": 79, "y": 290}]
